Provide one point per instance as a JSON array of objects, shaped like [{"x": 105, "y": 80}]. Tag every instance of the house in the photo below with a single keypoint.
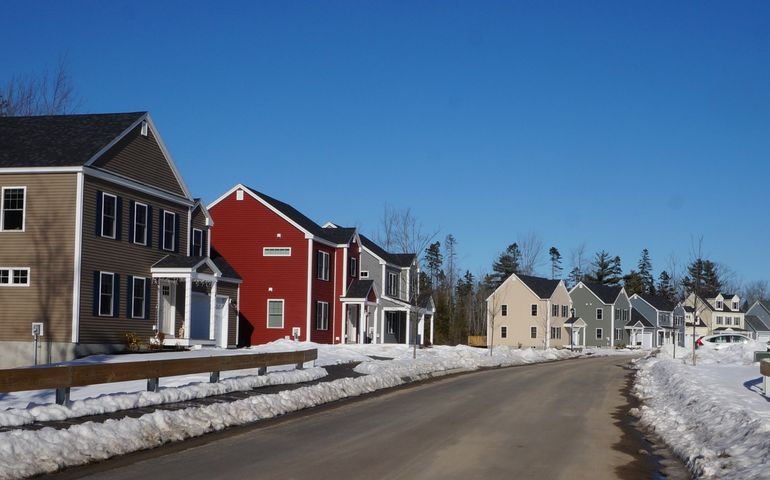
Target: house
[
  {"x": 758, "y": 320},
  {"x": 605, "y": 310},
  {"x": 641, "y": 330},
  {"x": 695, "y": 327},
  {"x": 527, "y": 311},
  {"x": 396, "y": 276},
  {"x": 666, "y": 318},
  {"x": 99, "y": 237},
  {"x": 721, "y": 312}
]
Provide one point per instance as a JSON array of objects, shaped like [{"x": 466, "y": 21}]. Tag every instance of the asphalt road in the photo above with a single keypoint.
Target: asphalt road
[{"x": 559, "y": 420}]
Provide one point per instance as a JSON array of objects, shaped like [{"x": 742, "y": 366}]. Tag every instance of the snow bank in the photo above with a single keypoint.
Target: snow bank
[{"x": 711, "y": 415}]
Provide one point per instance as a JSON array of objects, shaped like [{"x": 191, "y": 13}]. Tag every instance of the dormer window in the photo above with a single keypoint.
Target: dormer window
[
  {"x": 735, "y": 306},
  {"x": 719, "y": 305}
]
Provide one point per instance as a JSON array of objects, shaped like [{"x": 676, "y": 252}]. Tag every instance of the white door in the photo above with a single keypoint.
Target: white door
[
  {"x": 352, "y": 324},
  {"x": 220, "y": 321},
  {"x": 167, "y": 309},
  {"x": 647, "y": 340}
]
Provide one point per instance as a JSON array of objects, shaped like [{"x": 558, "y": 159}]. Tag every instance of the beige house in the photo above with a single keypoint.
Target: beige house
[
  {"x": 722, "y": 312},
  {"x": 528, "y": 311}
]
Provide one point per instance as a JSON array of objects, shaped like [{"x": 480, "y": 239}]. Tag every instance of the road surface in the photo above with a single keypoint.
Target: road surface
[{"x": 561, "y": 420}]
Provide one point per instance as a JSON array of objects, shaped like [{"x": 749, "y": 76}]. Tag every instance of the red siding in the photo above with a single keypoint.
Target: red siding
[
  {"x": 241, "y": 229},
  {"x": 325, "y": 291}
]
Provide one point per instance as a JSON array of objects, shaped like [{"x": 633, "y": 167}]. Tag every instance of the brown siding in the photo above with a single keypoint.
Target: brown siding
[
  {"x": 140, "y": 158},
  {"x": 124, "y": 258},
  {"x": 199, "y": 221},
  {"x": 231, "y": 290},
  {"x": 47, "y": 248}
]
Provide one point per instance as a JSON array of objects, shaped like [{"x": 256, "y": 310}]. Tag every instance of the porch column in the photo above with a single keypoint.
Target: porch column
[
  {"x": 584, "y": 336},
  {"x": 408, "y": 324},
  {"x": 344, "y": 323},
  {"x": 382, "y": 326},
  {"x": 421, "y": 328},
  {"x": 187, "y": 305},
  {"x": 431, "y": 327},
  {"x": 213, "y": 311},
  {"x": 361, "y": 323}
]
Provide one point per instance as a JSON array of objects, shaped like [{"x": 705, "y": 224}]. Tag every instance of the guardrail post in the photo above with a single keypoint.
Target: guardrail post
[
  {"x": 214, "y": 378},
  {"x": 262, "y": 371},
  {"x": 765, "y": 384},
  {"x": 153, "y": 384},
  {"x": 301, "y": 366},
  {"x": 63, "y": 396}
]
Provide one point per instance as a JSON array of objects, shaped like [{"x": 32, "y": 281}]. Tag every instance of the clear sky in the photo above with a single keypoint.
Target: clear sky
[{"x": 623, "y": 125}]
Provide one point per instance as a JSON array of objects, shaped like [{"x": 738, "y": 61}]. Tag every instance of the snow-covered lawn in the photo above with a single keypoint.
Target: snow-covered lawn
[
  {"x": 29, "y": 452},
  {"x": 713, "y": 415}
]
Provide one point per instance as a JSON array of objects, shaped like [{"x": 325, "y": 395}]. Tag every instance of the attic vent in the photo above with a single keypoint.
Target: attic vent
[
  {"x": 239, "y": 195},
  {"x": 144, "y": 129}
]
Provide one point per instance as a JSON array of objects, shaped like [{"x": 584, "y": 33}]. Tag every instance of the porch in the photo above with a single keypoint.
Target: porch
[{"x": 577, "y": 331}]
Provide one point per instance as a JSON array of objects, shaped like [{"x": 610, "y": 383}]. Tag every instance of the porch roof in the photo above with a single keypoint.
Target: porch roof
[
  {"x": 575, "y": 322},
  {"x": 359, "y": 289},
  {"x": 199, "y": 264},
  {"x": 637, "y": 319}
]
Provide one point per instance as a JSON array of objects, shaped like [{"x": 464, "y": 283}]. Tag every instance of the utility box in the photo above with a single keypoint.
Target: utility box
[
  {"x": 296, "y": 332},
  {"x": 37, "y": 329}
]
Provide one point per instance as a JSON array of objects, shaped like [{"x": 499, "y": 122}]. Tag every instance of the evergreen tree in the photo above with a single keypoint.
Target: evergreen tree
[
  {"x": 703, "y": 276},
  {"x": 433, "y": 263},
  {"x": 606, "y": 269},
  {"x": 555, "y": 262},
  {"x": 645, "y": 273},
  {"x": 665, "y": 286},
  {"x": 575, "y": 276},
  {"x": 507, "y": 263},
  {"x": 634, "y": 283}
]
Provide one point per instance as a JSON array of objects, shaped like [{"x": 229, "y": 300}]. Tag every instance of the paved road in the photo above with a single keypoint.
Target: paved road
[{"x": 547, "y": 421}]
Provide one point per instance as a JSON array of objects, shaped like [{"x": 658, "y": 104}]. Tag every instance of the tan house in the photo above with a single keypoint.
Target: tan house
[
  {"x": 526, "y": 311},
  {"x": 100, "y": 237},
  {"x": 719, "y": 313}
]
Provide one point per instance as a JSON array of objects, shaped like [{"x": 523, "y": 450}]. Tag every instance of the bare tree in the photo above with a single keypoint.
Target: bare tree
[
  {"x": 578, "y": 259},
  {"x": 493, "y": 307},
  {"x": 531, "y": 247},
  {"x": 756, "y": 290},
  {"x": 729, "y": 278},
  {"x": 401, "y": 232},
  {"x": 47, "y": 93}
]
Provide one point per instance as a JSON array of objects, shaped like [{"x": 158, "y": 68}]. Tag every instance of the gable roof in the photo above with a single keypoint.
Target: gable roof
[
  {"x": 398, "y": 259},
  {"x": 359, "y": 288},
  {"x": 636, "y": 316},
  {"x": 756, "y": 323},
  {"x": 764, "y": 304},
  {"x": 543, "y": 287},
  {"x": 59, "y": 140},
  {"x": 606, "y": 293},
  {"x": 657, "y": 302}
]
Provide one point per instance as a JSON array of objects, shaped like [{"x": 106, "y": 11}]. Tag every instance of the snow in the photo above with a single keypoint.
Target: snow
[
  {"x": 31, "y": 452},
  {"x": 713, "y": 415}
]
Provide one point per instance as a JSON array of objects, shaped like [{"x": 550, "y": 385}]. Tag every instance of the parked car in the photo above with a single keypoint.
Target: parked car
[{"x": 721, "y": 340}]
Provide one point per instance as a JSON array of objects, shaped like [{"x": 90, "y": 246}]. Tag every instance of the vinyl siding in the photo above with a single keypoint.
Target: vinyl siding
[
  {"x": 47, "y": 248},
  {"x": 198, "y": 221},
  {"x": 586, "y": 304}
]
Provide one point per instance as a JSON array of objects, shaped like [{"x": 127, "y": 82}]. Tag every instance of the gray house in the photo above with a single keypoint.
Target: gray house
[
  {"x": 668, "y": 325},
  {"x": 640, "y": 330},
  {"x": 758, "y": 320},
  {"x": 605, "y": 310}
]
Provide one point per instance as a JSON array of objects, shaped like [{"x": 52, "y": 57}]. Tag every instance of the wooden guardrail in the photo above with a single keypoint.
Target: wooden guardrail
[
  {"x": 63, "y": 377},
  {"x": 477, "y": 340}
]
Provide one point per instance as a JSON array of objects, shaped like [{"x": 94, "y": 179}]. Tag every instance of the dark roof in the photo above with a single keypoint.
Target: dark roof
[
  {"x": 571, "y": 320},
  {"x": 606, "y": 293},
  {"x": 179, "y": 261},
  {"x": 659, "y": 303},
  {"x": 227, "y": 270},
  {"x": 728, "y": 295},
  {"x": 765, "y": 304},
  {"x": 542, "y": 287},
  {"x": 59, "y": 140},
  {"x": 359, "y": 288},
  {"x": 399, "y": 259},
  {"x": 689, "y": 309},
  {"x": 333, "y": 235},
  {"x": 424, "y": 300},
  {"x": 756, "y": 324},
  {"x": 636, "y": 316},
  {"x": 701, "y": 323}
]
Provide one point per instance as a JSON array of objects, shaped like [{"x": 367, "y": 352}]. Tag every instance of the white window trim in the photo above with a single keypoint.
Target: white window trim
[
  {"x": 173, "y": 226},
  {"x": 23, "y": 210},
  {"x": 114, "y": 218},
  {"x": 363, "y": 274},
  {"x": 353, "y": 267},
  {"x": 324, "y": 310},
  {"x": 395, "y": 283},
  {"x": 530, "y": 332},
  {"x": 194, "y": 231},
  {"x": 503, "y": 331},
  {"x": 537, "y": 310},
  {"x": 618, "y": 330},
  {"x": 599, "y": 333},
  {"x": 146, "y": 232},
  {"x": 323, "y": 266},
  {"x": 283, "y": 312},
  {"x": 504, "y": 310},
  {"x": 275, "y": 251},
  {"x": 112, "y": 295},
  {"x": 133, "y": 295},
  {"x": 599, "y": 314},
  {"x": 11, "y": 270}
]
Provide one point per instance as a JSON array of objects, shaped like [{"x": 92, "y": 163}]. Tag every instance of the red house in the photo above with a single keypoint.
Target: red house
[{"x": 300, "y": 279}]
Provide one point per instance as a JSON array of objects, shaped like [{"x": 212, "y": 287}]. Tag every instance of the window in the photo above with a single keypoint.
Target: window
[
  {"x": 719, "y": 320},
  {"x": 197, "y": 242},
  {"x": 625, "y": 315},
  {"x": 14, "y": 277},
  {"x": 719, "y": 304},
  {"x": 554, "y": 310},
  {"x": 138, "y": 293},
  {"x": 618, "y": 334},
  {"x": 555, "y": 333},
  {"x": 503, "y": 332},
  {"x": 532, "y": 332},
  {"x": 534, "y": 310},
  {"x": 390, "y": 322},
  {"x": 728, "y": 320},
  {"x": 275, "y": 314},
  {"x": 106, "y": 293},
  {"x": 322, "y": 266},
  {"x": 504, "y": 310},
  {"x": 353, "y": 267},
  {"x": 599, "y": 313},
  {"x": 169, "y": 231},
  {"x": 393, "y": 284},
  {"x": 322, "y": 316},
  {"x": 140, "y": 224},
  {"x": 735, "y": 306},
  {"x": 239, "y": 195},
  {"x": 599, "y": 333},
  {"x": 364, "y": 274},
  {"x": 276, "y": 252},
  {"x": 12, "y": 211},
  {"x": 565, "y": 311},
  {"x": 109, "y": 215}
]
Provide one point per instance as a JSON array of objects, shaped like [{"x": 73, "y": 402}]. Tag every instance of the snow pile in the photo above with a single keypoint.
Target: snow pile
[{"x": 712, "y": 415}]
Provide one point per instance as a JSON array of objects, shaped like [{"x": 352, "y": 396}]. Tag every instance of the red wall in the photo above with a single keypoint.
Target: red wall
[
  {"x": 324, "y": 291},
  {"x": 241, "y": 229}
]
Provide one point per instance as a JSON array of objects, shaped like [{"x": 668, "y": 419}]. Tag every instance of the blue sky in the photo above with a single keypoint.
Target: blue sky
[{"x": 623, "y": 125}]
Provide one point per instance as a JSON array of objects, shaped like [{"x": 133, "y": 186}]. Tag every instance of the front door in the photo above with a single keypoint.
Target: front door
[
  {"x": 167, "y": 309},
  {"x": 352, "y": 325}
]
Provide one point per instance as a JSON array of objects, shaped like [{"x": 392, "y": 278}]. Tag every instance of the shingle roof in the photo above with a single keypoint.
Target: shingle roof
[
  {"x": 756, "y": 323},
  {"x": 636, "y": 316},
  {"x": 659, "y": 303},
  {"x": 359, "y": 288},
  {"x": 179, "y": 261},
  {"x": 399, "y": 259},
  {"x": 542, "y": 287},
  {"x": 425, "y": 300},
  {"x": 765, "y": 304},
  {"x": 606, "y": 293},
  {"x": 333, "y": 235},
  {"x": 59, "y": 140},
  {"x": 227, "y": 270}
]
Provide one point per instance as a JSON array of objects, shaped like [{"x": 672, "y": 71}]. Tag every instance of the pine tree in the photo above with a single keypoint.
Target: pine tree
[
  {"x": 507, "y": 263},
  {"x": 634, "y": 283},
  {"x": 606, "y": 269},
  {"x": 665, "y": 287},
  {"x": 555, "y": 262},
  {"x": 433, "y": 262},
  {"x": 575, "y": 276},
  {"x": 703, "y": 276},
  {"x": 645, "y": 273}
]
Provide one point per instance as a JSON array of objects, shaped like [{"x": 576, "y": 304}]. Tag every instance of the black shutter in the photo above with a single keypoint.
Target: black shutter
[
  {"x": 147, "y": 284},
  {"x": 176, "y": 233},
  {"x": 98, "y": 214},
  {"x": 116, "y": 295},
  {"x": 161, "y": 221},
  {"x": 131, "y": 209},
  {"x": 118, "y": 217},
  {"x": 149, "y": 226},
  {"x": 129, "y": 296},
  {"x": 96, "y": 293}
]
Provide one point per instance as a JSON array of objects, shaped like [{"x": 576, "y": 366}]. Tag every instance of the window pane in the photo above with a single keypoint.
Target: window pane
[
  {"x": 140, "y": 224},
  {"x": 169, "y": 227},
  {"x": 13, "y": 209},
  {"x": 138, "y": 300},
  {"x": 275, "y": 314},
  {"x": 5, "y": 277},
  {"x": 105, "y": 290},
  {"x": 20, "y": 277},
  {"x": 109, "y": 207}
]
